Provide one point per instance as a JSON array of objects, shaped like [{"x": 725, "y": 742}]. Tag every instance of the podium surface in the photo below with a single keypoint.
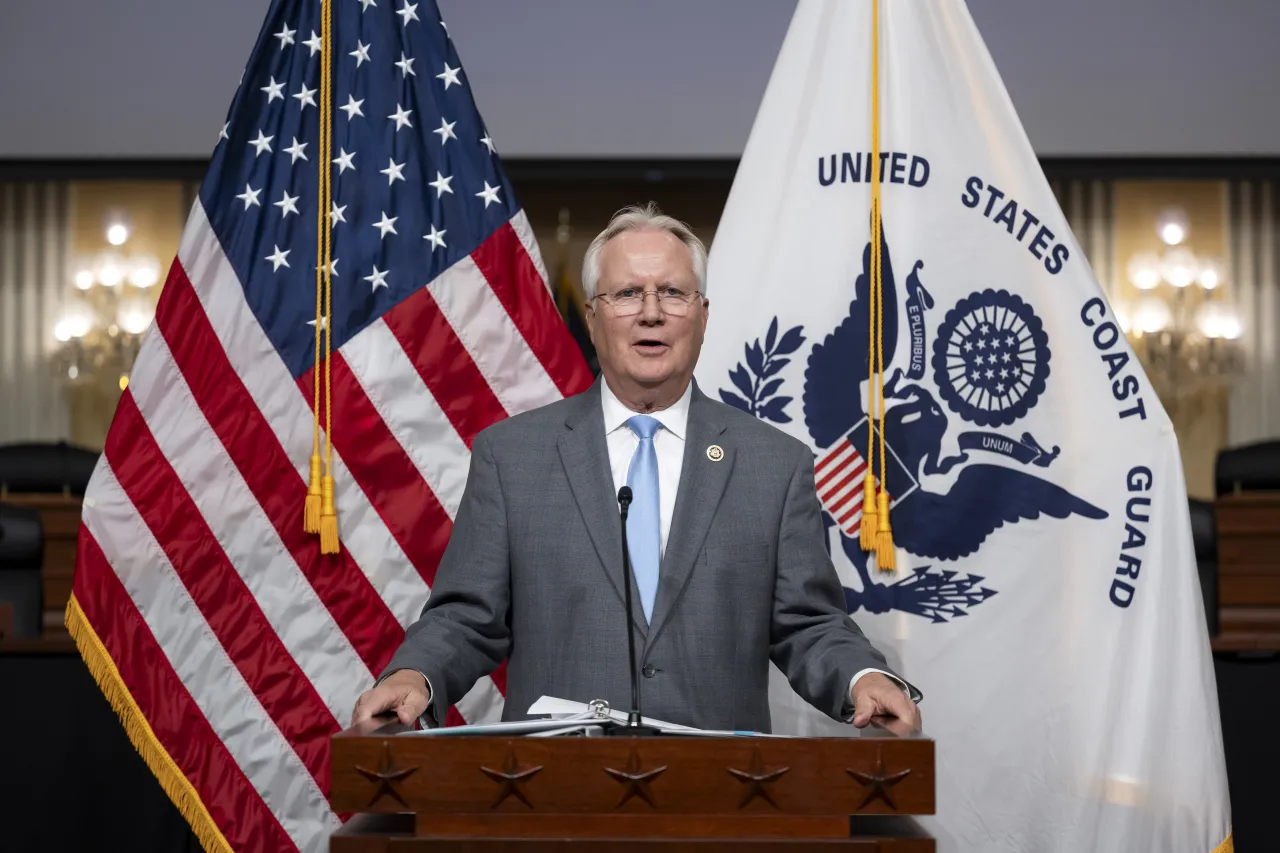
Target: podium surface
[{"x": 481, "y": 793}]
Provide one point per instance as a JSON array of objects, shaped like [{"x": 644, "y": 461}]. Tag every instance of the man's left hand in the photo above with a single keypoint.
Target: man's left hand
[{"x": 875, "y": 695}]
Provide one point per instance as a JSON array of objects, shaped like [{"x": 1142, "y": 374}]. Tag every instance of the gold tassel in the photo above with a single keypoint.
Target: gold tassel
[
  {"x": 885, "y": 560},
  {"x": 172, "y": 780},
  {"x": 328, "y": 520},
  {"x": 311, "y": 511},
  {"x": 867, "y": 528}
]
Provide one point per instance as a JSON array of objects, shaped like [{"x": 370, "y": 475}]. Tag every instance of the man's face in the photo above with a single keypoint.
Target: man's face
[{"x": 650, "y": 354}]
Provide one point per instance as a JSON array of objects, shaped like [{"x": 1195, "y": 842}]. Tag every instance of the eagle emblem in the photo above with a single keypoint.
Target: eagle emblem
[{"x": 990, "y": 365}]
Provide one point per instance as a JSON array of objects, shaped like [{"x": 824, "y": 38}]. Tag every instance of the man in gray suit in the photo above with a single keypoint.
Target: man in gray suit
[{"x": 725, "y": 535}]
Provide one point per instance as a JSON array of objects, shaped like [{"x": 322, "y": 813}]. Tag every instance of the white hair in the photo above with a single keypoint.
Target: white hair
[{"x": 636, "y": 218}]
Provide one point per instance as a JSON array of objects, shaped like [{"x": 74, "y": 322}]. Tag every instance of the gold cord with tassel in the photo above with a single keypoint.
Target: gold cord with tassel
[
  {"x": 329, "y": 543},
  {"x": 311, "y": 510},
  {"x": 882, "y": 535},
  {"x": 870, "y": 523}
]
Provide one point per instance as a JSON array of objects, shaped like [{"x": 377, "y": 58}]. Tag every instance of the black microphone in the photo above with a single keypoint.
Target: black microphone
[{"x": 634, "y": 725}]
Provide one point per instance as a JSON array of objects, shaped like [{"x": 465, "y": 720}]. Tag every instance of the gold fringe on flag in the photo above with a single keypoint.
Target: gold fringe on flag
[{"x": 178, "y": 788}]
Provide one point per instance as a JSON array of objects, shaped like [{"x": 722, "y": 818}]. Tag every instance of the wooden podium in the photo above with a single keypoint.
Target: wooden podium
[{"x": 700, "y": 793}]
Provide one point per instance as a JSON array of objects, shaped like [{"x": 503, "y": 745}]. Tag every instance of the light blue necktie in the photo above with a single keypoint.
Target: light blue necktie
[{"x": 644, "y": 521}]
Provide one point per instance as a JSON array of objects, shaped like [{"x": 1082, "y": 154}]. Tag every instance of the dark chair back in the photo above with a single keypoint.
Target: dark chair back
[
  {"x": 21, "y": 550},
  {"x": 46, "y": 467},
  {"x": 1248, "y": 468}
]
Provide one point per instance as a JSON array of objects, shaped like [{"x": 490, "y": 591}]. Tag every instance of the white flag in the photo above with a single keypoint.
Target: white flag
[{"x": 1045, "y": 598}]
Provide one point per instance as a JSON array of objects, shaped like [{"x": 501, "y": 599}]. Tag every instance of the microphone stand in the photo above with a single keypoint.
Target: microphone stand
[{"x": 635, "y": 725}]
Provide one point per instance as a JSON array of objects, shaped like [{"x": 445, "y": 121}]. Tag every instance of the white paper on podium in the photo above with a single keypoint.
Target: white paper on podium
[
  {"x": 572, "y": 710},
  {"x": 564, "y": 716}
]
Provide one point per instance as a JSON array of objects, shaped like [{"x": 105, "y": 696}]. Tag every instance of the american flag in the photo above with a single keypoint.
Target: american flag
[
  {"x": 839, "y": 472},
  {"x": 231, "y": 647}
]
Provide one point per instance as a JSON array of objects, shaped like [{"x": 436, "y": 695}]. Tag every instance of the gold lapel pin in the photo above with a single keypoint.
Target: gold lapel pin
[{"x": 715, "y": 453}]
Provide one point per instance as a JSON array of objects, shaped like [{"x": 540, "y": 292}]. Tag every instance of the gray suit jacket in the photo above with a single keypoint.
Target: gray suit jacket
[{"x": 533, "y": 574}]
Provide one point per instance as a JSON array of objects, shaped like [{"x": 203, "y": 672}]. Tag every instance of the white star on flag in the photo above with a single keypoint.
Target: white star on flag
[
  {"x": 277, "y": 258},
  {"x": 262, "y": 143},
  {"x": 361, "y": 53},
  {"x": 401, "y": 117},
  {"x": 441, "y": 185},
  {"x": 406, "y": 66},
  {"x": 345, "y": 161},
  {"x": 338, "y": 214},
  {"x": 250, "y": 197},
  {"x": 306, "y": 96},
  {"x": 352, "y": 107},
  {"x": 287, "y": 204},
  {"x": 408, "y": 13},
  {"x": 489, "y": 194},
  {"x": 223, "y": 133},
  {"x": 386, "y": 224},
  {"x": 314, "y": 43},
  {"x": 487, "y": 142},
  {"x": 394, "y": 172},
  {"x": 365, "y": 4},
  {"x": 436, "y": 238},
  {"x": 296, "y": 151},
  {"x": 274, "y": 90},
  {"x": 378, "y": 278},
  {"x": 450, "y": 76},
  {"x": 286, "y": 36},
  {"x": 445, "y": 130}
]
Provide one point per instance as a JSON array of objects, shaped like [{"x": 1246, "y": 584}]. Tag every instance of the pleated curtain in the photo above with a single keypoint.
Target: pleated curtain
[{"x": 34, "y": 245}]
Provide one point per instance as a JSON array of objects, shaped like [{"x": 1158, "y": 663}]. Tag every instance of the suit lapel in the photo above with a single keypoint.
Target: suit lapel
[
  {"x": 585, "y": 457},
  {"x": 702, "y": 484}
]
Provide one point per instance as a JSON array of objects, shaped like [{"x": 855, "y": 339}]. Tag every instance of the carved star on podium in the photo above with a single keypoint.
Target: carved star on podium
[
  {"x": 510, "y": 777},
  {"x": 636, "y": 780},
  {"x": 878, "y": 783},
  {"x": 755, "y": 777},
  {"x": 386, "y": 776}
]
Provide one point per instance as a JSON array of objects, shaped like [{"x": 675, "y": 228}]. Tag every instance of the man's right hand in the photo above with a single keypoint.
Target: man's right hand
[{"x": 403, "y": 692}]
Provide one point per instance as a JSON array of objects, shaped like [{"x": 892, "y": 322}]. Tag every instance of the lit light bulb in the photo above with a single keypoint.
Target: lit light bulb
[
  {"x": 84, "y": 279},
  {"x": 1179, "y": 267},
  {"x": 1231, "y": 327},
  {"x": 76, "y": 321},
  {"x": 134, "y": 316},
  {"x": 124, "y": 382},
  {"x": 1143, "y": 270},
  {"x": 117, "y": 233},
  {"x": 110, "y": 271},
  {"x": 1172, "y": 226},
  {"x": 1211, "y": 274},
  {"x": 144, "y": 272},
  {"x": 1152, "y": 315}
]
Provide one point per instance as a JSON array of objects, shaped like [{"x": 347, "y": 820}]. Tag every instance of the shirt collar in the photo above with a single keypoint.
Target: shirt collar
[{"x": 674, "y": 419}]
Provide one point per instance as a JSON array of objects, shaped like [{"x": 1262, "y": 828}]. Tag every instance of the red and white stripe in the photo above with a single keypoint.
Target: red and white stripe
[
  {"x": 245, "y": 648},
  {"x": 838, "y": 475}
]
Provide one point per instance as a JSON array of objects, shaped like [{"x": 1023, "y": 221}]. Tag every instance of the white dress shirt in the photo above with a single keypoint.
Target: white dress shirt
[{"x": 668, "y": 443}]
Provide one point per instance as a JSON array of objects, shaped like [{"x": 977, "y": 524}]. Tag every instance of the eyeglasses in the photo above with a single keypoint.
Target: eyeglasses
[{"x": 630, "y": 300}]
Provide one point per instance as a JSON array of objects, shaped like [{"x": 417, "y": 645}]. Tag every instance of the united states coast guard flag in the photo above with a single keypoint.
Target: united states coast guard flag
[
  {"x": 356, "y": 296},
  {"x": 1043, "y": 594}
]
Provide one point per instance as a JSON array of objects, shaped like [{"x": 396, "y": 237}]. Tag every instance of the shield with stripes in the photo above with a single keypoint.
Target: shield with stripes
[{"x": 840, "y": 469}]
